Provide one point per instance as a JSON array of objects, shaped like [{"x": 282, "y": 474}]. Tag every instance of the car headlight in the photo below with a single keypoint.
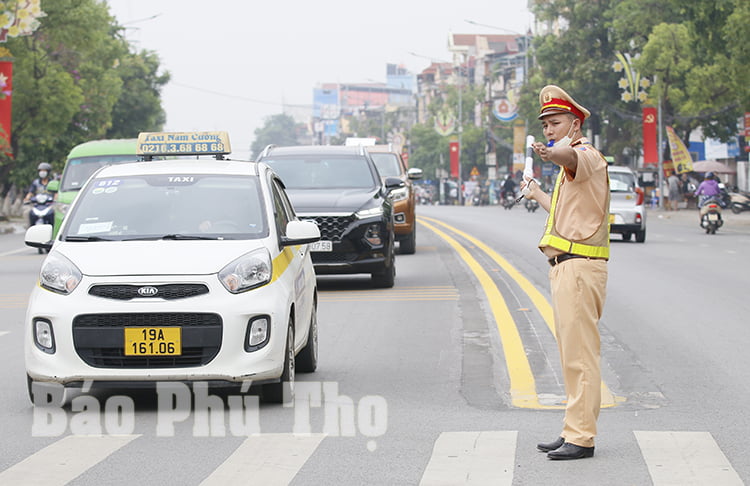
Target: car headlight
[
  {"x": 247, "y": 272},
  {"x": 369, "y": 213},
  {"x": 59, "y": 274},
  {"x": 399, "y": 194},
  {"x": 61, "y": 208}
]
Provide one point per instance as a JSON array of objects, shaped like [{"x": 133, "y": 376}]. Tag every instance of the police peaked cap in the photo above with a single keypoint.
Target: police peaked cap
[{"x": 555, "y": 100}]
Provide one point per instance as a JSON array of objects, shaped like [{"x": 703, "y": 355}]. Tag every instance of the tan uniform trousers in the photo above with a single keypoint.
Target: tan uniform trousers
[{"x": 579, "y": 288}]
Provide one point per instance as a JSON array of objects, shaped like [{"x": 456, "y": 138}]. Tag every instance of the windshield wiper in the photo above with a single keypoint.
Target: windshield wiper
[
  {"x": 177, "y": 236},
  {"x": 86, "y": 238}
]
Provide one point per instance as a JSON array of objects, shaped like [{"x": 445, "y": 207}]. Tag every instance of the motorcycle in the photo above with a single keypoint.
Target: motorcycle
[
  {"x": 509, "y": 200},
  {"x": 41, "y": 211},
  {"x": 739, "y": 201},
  {"x": 710, "y": 212},
  {"x": 531, "y": 205}
]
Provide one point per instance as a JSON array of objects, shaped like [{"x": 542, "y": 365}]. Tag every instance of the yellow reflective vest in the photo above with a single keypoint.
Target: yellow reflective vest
[{"x": 596, "y": 246}]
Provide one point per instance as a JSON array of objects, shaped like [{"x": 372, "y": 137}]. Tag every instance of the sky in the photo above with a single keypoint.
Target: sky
[{"x": 234, "y": 63}]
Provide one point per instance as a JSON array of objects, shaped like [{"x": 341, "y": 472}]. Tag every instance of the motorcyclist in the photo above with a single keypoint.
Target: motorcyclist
[
  {"x": 509, "y": 187},
  {"x": 708, "y": 189},
  {"x": 38, "y": 185}
]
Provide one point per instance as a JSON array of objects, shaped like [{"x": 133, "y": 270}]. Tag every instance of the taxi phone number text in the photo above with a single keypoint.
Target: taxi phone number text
[{"x": 178, "y": 148}]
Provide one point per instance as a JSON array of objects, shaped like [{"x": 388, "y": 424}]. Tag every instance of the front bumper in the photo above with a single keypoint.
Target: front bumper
[
  {"x": 89, "y": 334},
  {"x": 352, "y": 252},
  {"x": 403, "y": 217}
]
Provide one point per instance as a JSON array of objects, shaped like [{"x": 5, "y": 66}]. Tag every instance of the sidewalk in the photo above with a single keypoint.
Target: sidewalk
[
  {"x": 13, "y": 225},
  {"x": 691, "y": 216}
]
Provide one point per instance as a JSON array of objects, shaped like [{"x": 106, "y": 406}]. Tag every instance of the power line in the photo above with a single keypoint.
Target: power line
[{"x": 241, "y": 98}]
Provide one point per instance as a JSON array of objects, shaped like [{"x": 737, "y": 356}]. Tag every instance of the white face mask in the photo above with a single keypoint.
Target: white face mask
[
  {"x": 42, "y": 174},
  {"x": 566, "y": 140}
]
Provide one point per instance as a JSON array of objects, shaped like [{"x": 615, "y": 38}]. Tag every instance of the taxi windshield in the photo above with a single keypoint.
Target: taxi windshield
[
  {"x": 179, "y": 206},
  {"x": 387, "y": 164},
  {"x": 323, "y": 172},
  {"x": 78, "y": 170}
]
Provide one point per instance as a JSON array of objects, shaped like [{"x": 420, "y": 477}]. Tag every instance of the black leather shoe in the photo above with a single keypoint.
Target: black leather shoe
[
  {"x": 571, "y": 451},
  {"x": 551, "y": 446}
]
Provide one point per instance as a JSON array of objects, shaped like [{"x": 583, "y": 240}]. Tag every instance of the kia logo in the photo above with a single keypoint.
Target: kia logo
[{"x": 148, "y": 291}]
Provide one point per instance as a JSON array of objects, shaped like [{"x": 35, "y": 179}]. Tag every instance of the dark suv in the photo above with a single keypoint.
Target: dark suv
[{"x": 340, "y": 189}]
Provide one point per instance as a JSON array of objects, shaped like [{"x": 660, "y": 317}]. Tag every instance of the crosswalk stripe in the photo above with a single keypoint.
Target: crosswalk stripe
[
  {"x": 64, "y": 460},
  {"x": 268, "y": 459},
  {"x": 685, "y": 458},
  {"x": 472, "y": 458}
]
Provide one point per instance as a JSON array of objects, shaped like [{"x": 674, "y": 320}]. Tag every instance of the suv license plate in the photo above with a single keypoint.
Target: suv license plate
[
  {"x": 153, "y": 341},
  {"x": 321, "y": 246}
]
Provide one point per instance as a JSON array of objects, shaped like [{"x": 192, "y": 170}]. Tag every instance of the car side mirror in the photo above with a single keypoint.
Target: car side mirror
[
  {"x": 39, "y": 236},
  {"x": 53, "y": 186},
  {"x": 392, "y": 183},
  {"x": 300, "y": 233}
]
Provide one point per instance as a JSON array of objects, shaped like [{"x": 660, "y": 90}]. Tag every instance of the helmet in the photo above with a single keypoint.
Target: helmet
[
  {"x": 709, "y": 175},
  {"x": 44, "y": 166}
]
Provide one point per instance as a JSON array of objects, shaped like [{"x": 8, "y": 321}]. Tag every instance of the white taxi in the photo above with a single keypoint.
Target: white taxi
[{"x": 175, "y": 270}]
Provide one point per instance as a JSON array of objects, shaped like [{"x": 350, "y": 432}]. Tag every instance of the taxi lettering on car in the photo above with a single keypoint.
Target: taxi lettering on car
[{"x": 183, "y": 269}]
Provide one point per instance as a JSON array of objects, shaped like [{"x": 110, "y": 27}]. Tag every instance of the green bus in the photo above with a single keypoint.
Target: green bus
[{"x": 83, "y": 160}]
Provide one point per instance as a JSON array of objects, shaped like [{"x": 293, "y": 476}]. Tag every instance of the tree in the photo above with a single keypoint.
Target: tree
[
  {"x": 68, "y": 82},
  {"x": 699, "y": 64},
  {"x": 278, "y": 130},
  {"x": 138, "y": 109},
  {"x": 429, "y": 150}
]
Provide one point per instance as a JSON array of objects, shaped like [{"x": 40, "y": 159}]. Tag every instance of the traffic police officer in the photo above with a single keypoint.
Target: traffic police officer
[{"x": 576, "y": 243}]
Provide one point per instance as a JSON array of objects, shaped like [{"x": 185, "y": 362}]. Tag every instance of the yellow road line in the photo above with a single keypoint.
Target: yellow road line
[
  {"x": 539, "y": 301},
  {"x": 522, "y": 386}
]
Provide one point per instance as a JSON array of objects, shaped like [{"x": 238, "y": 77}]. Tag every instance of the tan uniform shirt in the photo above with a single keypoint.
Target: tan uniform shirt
[{"x": 583, "y": 200}]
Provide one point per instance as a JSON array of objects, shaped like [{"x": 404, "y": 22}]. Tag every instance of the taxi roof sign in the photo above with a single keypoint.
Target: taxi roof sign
[{"x": 151, "y": 144}]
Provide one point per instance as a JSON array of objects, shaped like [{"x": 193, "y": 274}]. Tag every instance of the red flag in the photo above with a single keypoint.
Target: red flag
[
  {"x": 650, "y": 148},
  {"x": 6, "y": 89},
  {"x": 454, "y": 158}
]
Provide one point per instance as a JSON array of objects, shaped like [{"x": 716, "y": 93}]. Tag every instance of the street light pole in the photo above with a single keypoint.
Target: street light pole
[{"x": 460, "y": 130}]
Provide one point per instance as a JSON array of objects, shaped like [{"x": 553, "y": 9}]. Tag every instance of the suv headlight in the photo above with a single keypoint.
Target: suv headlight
[
  {"x": 399, "y": 194},
  {"x": 59, "y": 274},
  {"x": 247, "y": 272},
  {"x": 369, "y": 213}
]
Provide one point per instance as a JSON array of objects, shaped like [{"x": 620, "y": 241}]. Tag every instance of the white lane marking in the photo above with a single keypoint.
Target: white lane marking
[
  {"x": 3, "y": 333},
  {"x": 14, "y": 251},
  {"x": 685, "y": 458},
  {"x": 267, "y": 459},
  {"x": 472, "y": 458},
  {"x": 64, "y": 460}
]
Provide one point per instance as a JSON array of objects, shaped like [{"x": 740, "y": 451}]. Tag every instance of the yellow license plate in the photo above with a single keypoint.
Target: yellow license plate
[{"x": 153, "y": 341}]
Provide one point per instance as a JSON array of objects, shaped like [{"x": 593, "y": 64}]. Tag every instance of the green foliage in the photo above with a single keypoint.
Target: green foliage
[
  {"x": 138, "y": 108},
  {"x": 429, "y": 150},
  {"x": 278, "y": 130},
  {"x": 697, "y": 50},
  {"x": 76, "y": 79}
]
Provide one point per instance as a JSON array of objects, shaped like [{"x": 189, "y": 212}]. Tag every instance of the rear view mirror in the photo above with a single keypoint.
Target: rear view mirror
[
  {"x": 53, "y": 186},
  {"x": 300, "y": 233}
]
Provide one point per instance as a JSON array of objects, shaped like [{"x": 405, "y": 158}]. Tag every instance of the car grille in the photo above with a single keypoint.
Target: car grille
[
  {"x": 332, "y": 228},
  {"x": 99, "y": 339},
  {"x": 321, "y": 257},
  {"x": 168, "y": 292}
]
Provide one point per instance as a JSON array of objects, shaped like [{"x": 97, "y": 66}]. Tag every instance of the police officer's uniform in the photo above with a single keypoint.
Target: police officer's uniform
[{"x": 576, "y": 243}]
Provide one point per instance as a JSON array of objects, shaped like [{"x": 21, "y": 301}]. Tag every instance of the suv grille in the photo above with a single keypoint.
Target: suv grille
[
  {"x": 332, "y": 227},
  {"x": 99, "y": 339},
  {"x": 168, "y": 292}
]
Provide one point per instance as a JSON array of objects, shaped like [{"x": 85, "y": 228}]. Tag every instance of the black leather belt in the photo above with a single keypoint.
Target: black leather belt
[{"x": 561, "y": 258}]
